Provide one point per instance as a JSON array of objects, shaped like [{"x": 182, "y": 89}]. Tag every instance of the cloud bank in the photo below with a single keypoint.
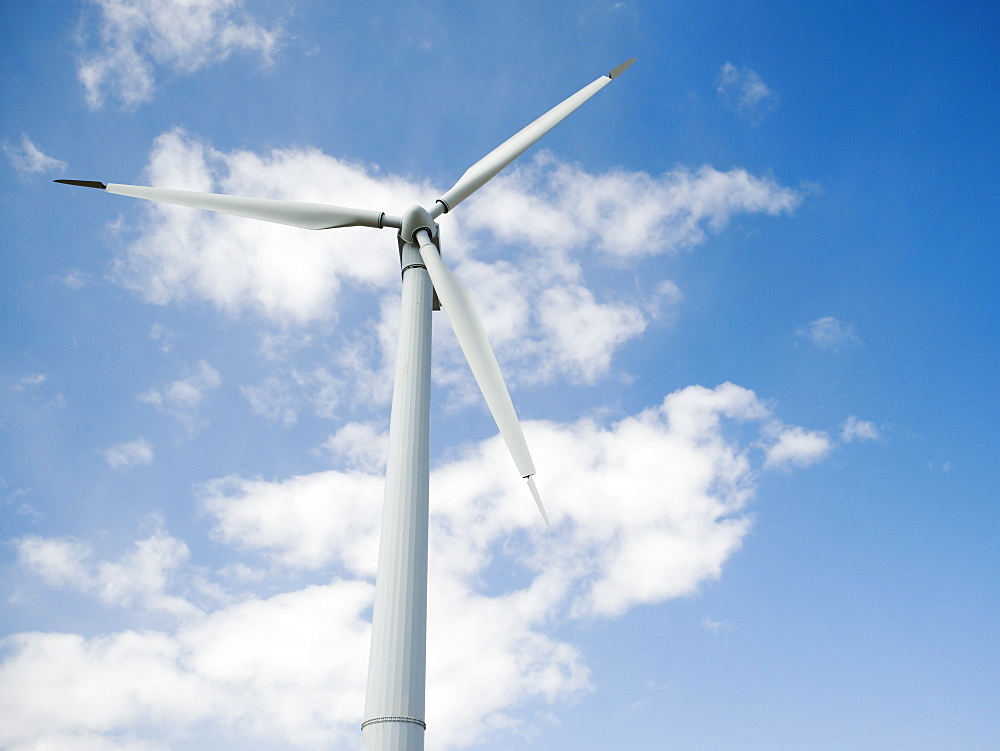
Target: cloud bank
[
  {"x": 545, "y": 321},
  {"x": 644, "y": 510}
]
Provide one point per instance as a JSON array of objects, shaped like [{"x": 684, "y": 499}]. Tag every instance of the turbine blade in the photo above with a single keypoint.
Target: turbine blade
[
  {"x": 486, "y": 168},
  {"x": 293, "y": 213},
  {"x": 475, "y": 345}
]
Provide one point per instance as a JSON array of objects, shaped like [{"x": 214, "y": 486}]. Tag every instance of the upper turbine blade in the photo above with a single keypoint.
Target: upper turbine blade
[
  {"x": 484, "y": 170},
  {"x": 294, "y": 213},
  {"x": 476, "y": 346}
]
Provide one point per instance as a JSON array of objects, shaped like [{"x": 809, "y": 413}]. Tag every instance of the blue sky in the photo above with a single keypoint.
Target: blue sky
[{"x": 744, "y": 300}]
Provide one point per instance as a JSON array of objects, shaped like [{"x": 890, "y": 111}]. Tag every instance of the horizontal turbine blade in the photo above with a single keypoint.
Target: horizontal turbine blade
[
  {"x": 475, "y": 345},
  {"x": 486, "y": 168},
  {"x": 293, "y": 213}
]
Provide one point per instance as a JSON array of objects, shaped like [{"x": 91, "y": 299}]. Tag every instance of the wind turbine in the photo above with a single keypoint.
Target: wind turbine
[{"x": 394, "y": 703}]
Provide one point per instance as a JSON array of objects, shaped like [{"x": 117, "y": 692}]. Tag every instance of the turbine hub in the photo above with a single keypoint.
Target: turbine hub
[{"x": 415, "y": 219}]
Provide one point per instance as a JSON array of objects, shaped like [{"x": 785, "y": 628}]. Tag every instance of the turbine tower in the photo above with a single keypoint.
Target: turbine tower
[{"x": 394, "y": 704}]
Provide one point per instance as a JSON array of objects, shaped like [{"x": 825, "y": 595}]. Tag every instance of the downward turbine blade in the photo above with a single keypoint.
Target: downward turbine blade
[
  {"x": 293, "y": 213},
  {"x": 486, "y": 168},
  {"x": 476, "y": 347}
]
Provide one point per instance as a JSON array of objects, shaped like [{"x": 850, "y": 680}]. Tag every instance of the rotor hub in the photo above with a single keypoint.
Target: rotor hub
[{"x": 415, "y": 219}]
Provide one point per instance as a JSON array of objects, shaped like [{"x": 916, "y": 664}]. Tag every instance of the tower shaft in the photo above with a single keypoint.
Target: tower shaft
[{"x": 394, "y": 703}]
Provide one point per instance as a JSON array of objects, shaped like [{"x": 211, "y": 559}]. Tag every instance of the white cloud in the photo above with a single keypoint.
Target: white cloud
[
  {"x": 644, "y": 510},
  {"x": 306, "y": 522},
  {"x": 28, "y": 159},
  {"x": 859, "y": 430},
  {"x": 133, "y": 38},
  {"x": 583, "y": 334},
  {"x": 551, "y": 204},
  {"x": 361, "y": 446},
  {"x": 743, "y": 91},
  {"x": 288, "y": 667},
  {"x": 56, "y": 688},
  {"x": 60, "y": 562},
  {"x": 142, "y": 576},
  {"x": 129, "y": 454},
  {"x": 829, "y": 333},
  {"x": 139, "y": 578},
  {"x": 30, "y": 381},
  {"x": 797, "y": 447}
]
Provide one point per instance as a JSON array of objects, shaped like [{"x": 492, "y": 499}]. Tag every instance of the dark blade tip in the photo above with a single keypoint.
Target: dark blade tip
[
  {"x": 615, "y": 72},
  {"x": 84, "y": 183}
]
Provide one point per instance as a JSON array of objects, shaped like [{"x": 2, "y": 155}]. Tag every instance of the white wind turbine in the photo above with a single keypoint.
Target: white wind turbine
[{"x": 394, "y": 704}]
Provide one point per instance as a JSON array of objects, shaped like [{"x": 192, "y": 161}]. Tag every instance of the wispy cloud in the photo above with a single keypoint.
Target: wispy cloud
[
  {"x": 859, "y": 430},
  {"x": 27, "y": 159},
  {"x": 624, "y": 7},
  {"x": 129, "y": 39},
  {"x": 74, "y": 279},
  {"x": 182, "y": 398},
  {"x": 128, "y": 454},
  {"x": 36, "y": 386},
  {"x": 273, "y": 400},
  {"x": 30, "y": 381},
  {"x": 713, "y": 626},
  {"x": 829, "y": 333},
  {"x": 163, "y": 336},
  {"x": 743, "y": 91}
]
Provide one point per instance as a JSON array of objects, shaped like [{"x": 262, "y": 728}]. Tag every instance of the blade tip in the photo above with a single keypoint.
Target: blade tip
[
  {"x": 617, "y": 71},
  {"x": 538, "y": 499},
  {"x": 84, "y": 183}
]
